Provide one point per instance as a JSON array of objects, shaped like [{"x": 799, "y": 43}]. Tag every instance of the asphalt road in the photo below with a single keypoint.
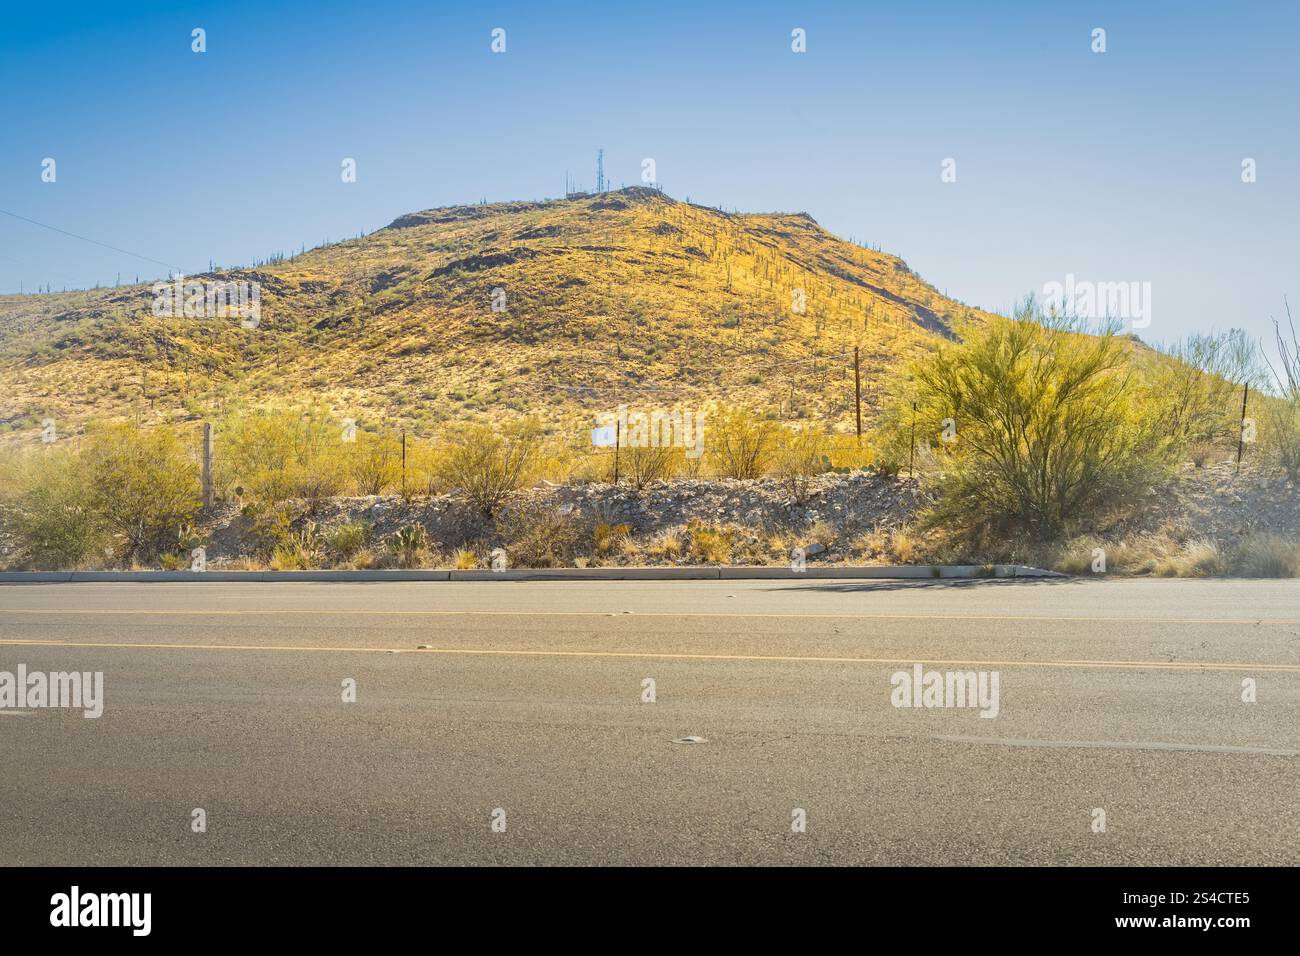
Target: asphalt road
[{"x": 1119, "y": 696}]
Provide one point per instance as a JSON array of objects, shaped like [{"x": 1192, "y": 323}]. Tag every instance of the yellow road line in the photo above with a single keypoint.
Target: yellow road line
[
  {"x": 668, "y": 655},
  {"x": 438, "y": 612}
]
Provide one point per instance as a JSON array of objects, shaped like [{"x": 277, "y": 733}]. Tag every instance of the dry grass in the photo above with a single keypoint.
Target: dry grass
[
  {"x": 466, "y": 559},
  {"x": 710, "y": 544},
  {"x": 667, "y": 545},
  {"x": 822, "y": 532},
  {"x": 1267, "y": 556},
  {"x": 1203, "y": 453},
  {"x": 244, "y": 564},
  {"x": 871, "y": 544},
  {"x": 1134, "y": 555},
  {"x": 904, "y": 546},
  {"x": 778, "y": 543},
  {"x": 537, "y": 534},
  {"x": 363, "y": 560},
  {"x": 1160, "y": 554},
  {"x": 749, "y": 547},
  {"x": 1195, "y": 559},
  {"x": 608, "y": 538}
]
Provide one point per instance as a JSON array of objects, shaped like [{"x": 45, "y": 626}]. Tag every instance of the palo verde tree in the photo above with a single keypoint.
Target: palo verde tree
[{"x": 1042, "y": 429}]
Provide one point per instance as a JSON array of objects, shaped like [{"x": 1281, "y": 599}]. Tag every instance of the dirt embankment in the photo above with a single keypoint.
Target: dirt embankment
[
  {"x": 761, "y": 519},
  {"x": 858, "y": 518}
]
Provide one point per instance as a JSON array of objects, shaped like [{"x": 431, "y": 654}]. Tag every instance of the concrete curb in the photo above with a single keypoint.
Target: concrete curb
[{"x": 903, "y": 572}]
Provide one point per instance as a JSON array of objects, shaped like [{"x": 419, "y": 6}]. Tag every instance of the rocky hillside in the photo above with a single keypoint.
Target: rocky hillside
[{"x": 557, "y": 308}]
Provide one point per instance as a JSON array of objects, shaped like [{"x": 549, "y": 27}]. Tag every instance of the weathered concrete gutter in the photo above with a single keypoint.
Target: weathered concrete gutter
[{"x": 547, "y": 574}]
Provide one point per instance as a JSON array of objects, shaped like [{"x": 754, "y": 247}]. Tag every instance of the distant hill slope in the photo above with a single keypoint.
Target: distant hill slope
[{"x": 625, "y": 296}]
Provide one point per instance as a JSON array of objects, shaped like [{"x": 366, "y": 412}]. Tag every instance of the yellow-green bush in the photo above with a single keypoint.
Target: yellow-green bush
[
  {"x": 143, "y": 484},
  {"x": 48, "y": 508},
  {"x": 1281, "y": 411},
  {"x": 740, "y": 443},
  {"x": 121, "y": 489},
  {"x": 849, "y": 453},
  {"x": 373, "y": 463},
  {"x": 424, "y": 472},
  {"x": 466, "y": 559},
  {"x": 1197, "y": 390},
  {"x": 409, "y": 543},
  {"x": 799, "y": 455},
  {"x": 299, "y": 551},
  {"x": 567, "y": 457},
  {"x": 1034, "y": 430},
  {"x": 1279, "y": 433},
  {"x": 644, "y": 465},
  {"x": 487, "y": 465},
  {"x": 346, "y": 540},
  {"x": 279, "y": 452}
]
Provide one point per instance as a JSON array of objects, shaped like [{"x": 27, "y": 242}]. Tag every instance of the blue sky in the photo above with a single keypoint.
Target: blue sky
[{"x": 1113, "y": 167}]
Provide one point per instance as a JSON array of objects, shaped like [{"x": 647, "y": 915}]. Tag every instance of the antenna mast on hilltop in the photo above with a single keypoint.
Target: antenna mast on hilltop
[{"x": 600, "y": 170}]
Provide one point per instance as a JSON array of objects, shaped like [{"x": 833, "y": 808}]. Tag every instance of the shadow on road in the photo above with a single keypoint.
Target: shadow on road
[{"x": 898, "y": 584}]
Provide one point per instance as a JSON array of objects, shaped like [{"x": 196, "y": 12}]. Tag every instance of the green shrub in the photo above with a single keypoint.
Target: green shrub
[
  {"x": 373, "y": 463},
  {"x": 277, "y": 453},
  {"x": 143, "y": 484},
  {"x": 488, "y": 465},
  {"x": 346, "y": 540},
  {"x": 740, "y": 443},
  {"x": 182, "y": 558},
  {"x": 174, "y": 561},
  {"x": 537, "y": 534},
  {"x": 51, "y": 514},
  {"x": 1035, "y": 431}
]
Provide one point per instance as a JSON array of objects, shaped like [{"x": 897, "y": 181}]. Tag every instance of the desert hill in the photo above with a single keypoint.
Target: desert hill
[{"x": 558, "y": 307}]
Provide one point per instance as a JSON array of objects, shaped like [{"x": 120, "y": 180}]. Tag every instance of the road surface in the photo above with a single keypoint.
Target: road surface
[{"x": 528, "y": 698}]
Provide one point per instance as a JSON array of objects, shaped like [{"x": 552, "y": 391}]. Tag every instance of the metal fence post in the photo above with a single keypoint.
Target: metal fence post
[{"x": 207, "y": 464}]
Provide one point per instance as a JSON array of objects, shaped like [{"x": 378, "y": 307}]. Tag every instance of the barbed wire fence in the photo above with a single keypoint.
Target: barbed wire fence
[
  {"x": 648, "y": 394},
  {"x": 648, "y": 397}
]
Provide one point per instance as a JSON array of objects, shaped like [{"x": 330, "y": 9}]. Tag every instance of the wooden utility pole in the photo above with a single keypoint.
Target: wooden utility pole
[
  {"x": 1241, "y": 428},
  {"x": 403, "y": 462},
  {"x": 207, "y": 464},
  {"x": 857, "y": 390},
  {"x": 911, "y": 458},
  {"x": 618, "y": 437}
]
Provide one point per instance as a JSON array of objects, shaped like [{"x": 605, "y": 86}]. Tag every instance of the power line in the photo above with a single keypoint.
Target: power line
[{"x": 95, "y": 242}]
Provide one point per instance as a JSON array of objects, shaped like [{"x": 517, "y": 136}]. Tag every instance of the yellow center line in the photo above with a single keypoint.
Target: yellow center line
[
  {"x": 440, "y": 612},
  {"x": 670, "y": 655}
]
